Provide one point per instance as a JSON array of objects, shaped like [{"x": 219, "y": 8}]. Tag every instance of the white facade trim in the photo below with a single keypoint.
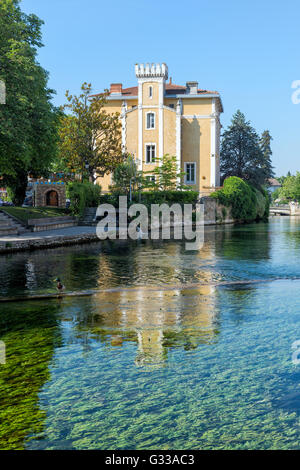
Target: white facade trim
[
  {"x": 213, "y": 130},
  {"x": 185, "y": 96},
  {"x": 150, "y": 79},
  {"x": 123, "y": 122},
  {"x": 121, "y": 97},
  {"x": 161, "y": 119},
  {"x": 218, "y": 136},
  {"x": 140, "y": 127},
  {"x": 151, "y": 70},
  {"x": 197, "y": 116},
  {"x": 132, "y": 109},
  {"x": 178, "y": 137},
  {"x": 156, "y": 106},
  {"x": 173, "y": 110}
]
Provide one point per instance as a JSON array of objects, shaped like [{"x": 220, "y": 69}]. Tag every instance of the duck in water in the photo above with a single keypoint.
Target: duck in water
[{"x": 59, "y": 286}]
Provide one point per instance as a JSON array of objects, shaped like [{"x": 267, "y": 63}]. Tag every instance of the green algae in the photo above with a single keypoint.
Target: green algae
[{"x": 30, "y": 337}]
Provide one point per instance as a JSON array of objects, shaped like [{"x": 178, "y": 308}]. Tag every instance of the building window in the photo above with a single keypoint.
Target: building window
[
  {"x": 171, "y": 106},
  {"x": 150, "y": 153},
  {"x": 150, "y": 121},
  {"x": 150, "y": 178},
  {"x": 150, "y": 92},
  {"x": 190, "y": 173}
]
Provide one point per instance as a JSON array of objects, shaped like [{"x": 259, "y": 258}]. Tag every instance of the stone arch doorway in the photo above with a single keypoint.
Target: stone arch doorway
[{"x": 52, "y": 198}]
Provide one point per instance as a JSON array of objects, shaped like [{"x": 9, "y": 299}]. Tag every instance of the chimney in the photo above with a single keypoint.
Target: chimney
[
  {"x": 116, "y": 88},
  {"x": 192, "y": 88}
]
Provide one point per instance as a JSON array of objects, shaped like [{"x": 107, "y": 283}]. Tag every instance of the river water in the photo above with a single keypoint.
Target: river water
[{"x": 179, "y": 356}]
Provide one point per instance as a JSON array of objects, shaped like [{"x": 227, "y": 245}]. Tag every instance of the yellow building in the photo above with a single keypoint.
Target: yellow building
[{"x": 159, "y": 117}]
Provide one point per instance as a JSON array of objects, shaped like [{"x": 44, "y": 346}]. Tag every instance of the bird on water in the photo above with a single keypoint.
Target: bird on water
[{"x": 59, "y": 286}]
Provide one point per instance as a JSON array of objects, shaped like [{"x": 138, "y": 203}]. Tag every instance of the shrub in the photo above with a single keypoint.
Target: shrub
[
  {"x": 260, "y": 204},
  {"x": 247, "y": 203},
  {"x": 154, "y": 197},
  {"x": 125, "y": 175},
  {"x": 267, "y": 198},
  {"x": 169, "y": 197},
  {"x": 112, "y": 198},
  {"x": 83, "y": 195}
]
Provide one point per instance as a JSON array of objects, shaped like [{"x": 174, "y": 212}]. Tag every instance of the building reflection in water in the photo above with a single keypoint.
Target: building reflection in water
[
  {"x": 152, "y": 313},
  {"x": 155, "y": 319}
]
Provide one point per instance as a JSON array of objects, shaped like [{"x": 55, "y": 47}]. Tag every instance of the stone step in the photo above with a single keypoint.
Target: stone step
[
  {"x": 12, "y": 226},
  {"x": 5, "y": 223},
  {"x": 8, "y": 231},
  {"x": 87, "y": 219},
  {"x": 51, "y": 223}
]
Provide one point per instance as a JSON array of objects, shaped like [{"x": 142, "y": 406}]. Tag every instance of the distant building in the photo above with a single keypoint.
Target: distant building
[
  {"x": 273, "y": 185},
  {"x": 159, "y": 117},
  {"x": 3, "y": 193}
]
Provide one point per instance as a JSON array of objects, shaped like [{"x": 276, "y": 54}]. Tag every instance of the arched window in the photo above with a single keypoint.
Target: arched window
[
  {"x": 150, "y": 124},
  {"x": 150, "y": 91}
]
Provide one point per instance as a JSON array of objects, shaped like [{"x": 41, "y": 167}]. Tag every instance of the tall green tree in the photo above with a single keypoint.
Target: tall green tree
[
  {"x": 28, "y": 120},
  {"x": 265, "y": 145},
  {"x": 241, "y": 152},
  {"x": 90, "y": 137},
  {"x": 167, "y": 176},
  {"x": 126, "y": 176},
  {"x": 291, "y": 187}
]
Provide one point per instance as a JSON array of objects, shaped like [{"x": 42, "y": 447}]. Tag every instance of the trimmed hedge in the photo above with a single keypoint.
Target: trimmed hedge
[
  {"x": 247, "y": 203},
  {"x": 154, "y": 197}
]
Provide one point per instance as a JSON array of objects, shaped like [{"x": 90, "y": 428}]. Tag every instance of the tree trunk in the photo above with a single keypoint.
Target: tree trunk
[
  {"x": 17, "y": 186},
  {"x": 92, "y": 178}
]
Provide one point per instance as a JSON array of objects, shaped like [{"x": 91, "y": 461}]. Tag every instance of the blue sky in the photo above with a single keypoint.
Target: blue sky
[{"x": 247, "y": 50}]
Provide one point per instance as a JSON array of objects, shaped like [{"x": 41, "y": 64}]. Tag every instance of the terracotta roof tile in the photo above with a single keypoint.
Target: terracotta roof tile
[{"x": 132, "y": 91}]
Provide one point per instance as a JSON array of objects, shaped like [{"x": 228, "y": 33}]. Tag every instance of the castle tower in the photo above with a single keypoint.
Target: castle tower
[{"x": 151, "y": 88}]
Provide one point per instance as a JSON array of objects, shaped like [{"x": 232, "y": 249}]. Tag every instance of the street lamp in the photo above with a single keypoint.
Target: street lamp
[{"x": 87, "y": 167}]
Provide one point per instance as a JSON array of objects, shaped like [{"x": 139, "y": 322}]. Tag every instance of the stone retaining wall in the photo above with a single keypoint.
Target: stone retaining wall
[
  {"x": 47, "y": 242},
  {"x": 51, "y": 223},
  {"x": 215, "y": 213}
]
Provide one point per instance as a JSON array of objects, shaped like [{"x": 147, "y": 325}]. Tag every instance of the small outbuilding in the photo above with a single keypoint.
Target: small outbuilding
[{"x": 49, "y": 194}]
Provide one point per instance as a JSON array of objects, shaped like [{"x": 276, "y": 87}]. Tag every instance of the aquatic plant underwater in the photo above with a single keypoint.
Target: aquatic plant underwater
[{"x": 208, "y": 367}]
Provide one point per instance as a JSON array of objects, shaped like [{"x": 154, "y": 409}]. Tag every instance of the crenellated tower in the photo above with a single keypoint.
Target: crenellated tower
[{"x": 151, "y": 89}]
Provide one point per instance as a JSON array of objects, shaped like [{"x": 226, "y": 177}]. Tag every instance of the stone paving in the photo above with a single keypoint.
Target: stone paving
[{"x": 68, "y": 231}]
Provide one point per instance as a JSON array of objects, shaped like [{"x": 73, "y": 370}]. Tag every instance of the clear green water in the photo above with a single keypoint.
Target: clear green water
[{"x": 202, "y": 368}]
